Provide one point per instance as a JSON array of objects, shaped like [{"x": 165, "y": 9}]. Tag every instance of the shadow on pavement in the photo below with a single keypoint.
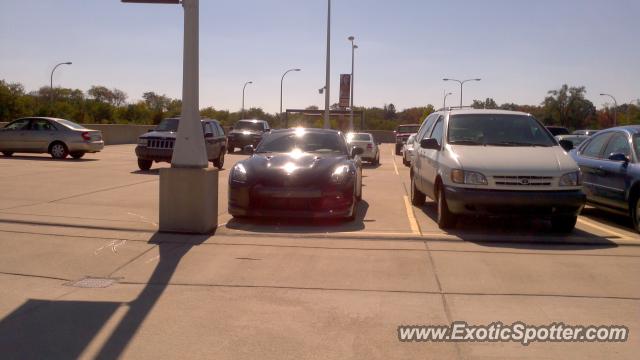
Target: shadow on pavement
[
  {"x": 44, "y": 158},
  {"x": 301, "y": 226},
  {"x": 525, "y": 232},
  {"x": 52, "y": 329},
  {"x": 148, "y": 172},
  {"x": 613, "y": 219}
]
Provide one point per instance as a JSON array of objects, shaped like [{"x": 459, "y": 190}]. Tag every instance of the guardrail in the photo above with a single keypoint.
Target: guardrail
[{"x": 117, "y": 134}]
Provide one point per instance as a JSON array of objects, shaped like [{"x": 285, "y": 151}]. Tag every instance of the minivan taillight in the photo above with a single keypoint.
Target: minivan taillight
[{"x": 86, "y": 136}]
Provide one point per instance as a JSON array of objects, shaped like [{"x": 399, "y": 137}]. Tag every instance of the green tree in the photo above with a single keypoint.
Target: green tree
[{"x": 568, "y": 107}]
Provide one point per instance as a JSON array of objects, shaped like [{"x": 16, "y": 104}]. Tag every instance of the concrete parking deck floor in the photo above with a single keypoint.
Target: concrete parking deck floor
[{"x": 272, "y": 289}]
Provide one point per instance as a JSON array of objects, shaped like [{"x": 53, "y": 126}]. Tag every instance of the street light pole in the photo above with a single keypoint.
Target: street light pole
[
  {"x": 327, "y": 86},
  {"x": 281, "y": 86},
  {"x": 444, "y": 103},
  {"x": 243, "y": 88},
  {"x": 461, "y": 83},
  {"x": 51, "y": 78},
  {"x": 615, "y": 109},
  {"x": 353, "y": 53}
]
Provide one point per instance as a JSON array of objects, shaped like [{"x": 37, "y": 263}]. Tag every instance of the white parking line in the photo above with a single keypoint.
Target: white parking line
[
  {"x": 412, "y": 217},
  {"x": 395, "y": 167},
  {"x": 601, "y": 228}
]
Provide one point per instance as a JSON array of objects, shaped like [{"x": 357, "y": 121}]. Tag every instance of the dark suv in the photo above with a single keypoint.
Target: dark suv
[
  {"x": 402, "y": 134},
  {"x": 157, "y": 145},
  {"x": 247, "y": 132}
]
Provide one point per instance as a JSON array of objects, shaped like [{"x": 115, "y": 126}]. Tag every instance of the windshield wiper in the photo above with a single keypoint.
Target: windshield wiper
[
  {"x": 515, "y": 143},
  {"x": 465, "y": 142}
]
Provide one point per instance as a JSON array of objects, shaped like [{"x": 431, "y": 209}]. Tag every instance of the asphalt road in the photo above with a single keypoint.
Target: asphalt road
[{"x": 277, "y": 289}]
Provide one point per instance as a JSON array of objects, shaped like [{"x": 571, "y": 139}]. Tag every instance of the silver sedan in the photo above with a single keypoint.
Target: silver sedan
[{"x": 57, "y": 137}]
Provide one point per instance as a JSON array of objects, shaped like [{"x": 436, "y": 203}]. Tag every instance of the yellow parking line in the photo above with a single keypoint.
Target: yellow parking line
[
  {"x": 411, "y": 216},
  {"x": 601, "y": 228}
]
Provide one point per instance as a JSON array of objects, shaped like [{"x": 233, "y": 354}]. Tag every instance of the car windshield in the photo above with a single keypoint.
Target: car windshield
[
  {"x": 304, "y": 141},
  {"x": 70, "y": 124},
  {"x": 359, "y": 137},
  {"x": 249, "y": 125},
  {"x": 408, "y": 129},
  {"x": 497, "y": 130},
  {"x": 168, "y": 125}
]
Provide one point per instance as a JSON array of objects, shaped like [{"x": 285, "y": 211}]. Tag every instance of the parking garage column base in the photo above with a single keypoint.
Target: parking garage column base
[{"x": 188, "y": 200}]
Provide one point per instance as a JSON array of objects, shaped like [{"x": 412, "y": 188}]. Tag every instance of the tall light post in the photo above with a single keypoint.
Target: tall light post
[
  {"x": 615, "y": 109},
  {"x": 444, "y": 103},
  {"x": 51, "y": 78},
  {"x": 327, "y": 84},
  {"x": 243, "y": 88},
  {"x": 281, "y": 86},
  {"x": 461, "y": 83},
  {"x": 353, "y": 53}
]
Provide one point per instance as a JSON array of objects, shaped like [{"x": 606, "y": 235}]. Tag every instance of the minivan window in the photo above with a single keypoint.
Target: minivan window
[
  {"x": 497, "y": 130},
  {"x": 437, "y": 130}
]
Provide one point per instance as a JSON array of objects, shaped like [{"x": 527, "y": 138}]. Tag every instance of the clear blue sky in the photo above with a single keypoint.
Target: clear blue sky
[{"x": 521, "y": 49}]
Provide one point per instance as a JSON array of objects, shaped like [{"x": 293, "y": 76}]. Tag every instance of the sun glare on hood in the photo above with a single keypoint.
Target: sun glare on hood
[{"x": 289, "y": 168}]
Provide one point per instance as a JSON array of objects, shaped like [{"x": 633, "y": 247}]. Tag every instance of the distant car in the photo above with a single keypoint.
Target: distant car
[
  {"x": 585, "y": 132},
  {"x": 157, "y": 145},
  {"x": 494, "y": 162},
  {"x": 610, "y": 164},
  {"x": 558, "y": 130},
  {"x": 365, "y": 141},
  {"x": 575, "y": 139},
  {"x": 247, "y": 132},
  {"x": 58, "y": 137},
  {"x": 301, "y": 173},
  {"x": 402, "y": 134},
  {"x": 407, "y": 150}
]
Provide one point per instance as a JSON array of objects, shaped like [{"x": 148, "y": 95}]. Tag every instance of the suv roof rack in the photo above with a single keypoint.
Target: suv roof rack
[{"x": 449, "y": 108}]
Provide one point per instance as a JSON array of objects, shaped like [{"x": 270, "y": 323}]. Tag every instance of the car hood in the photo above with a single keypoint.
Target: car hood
[
  {"x": 159, "y": 134},
  {"x": 301, "y": 169},
  {"x": 514, "y": 160}
]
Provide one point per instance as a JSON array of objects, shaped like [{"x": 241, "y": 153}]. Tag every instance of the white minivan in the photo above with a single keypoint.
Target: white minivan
[{"x": 494, "y": 162}]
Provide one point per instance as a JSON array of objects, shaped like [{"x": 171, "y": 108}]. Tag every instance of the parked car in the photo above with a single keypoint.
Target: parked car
[
  {"x": 402, "y": 134},
  {"x": 157, "y": 145},
  {"x": 308, "y": 173},
  {"x": 58, "y": 137},
  {"x": 610, "y": 166},
  {"x": 247, "y": 132},
  {"x": 365, "y": 141},
  {"x": 575, "y": 139},
  {"x": 494, "y": 162},
  {"x": 558, "y": 130},
  {"x": 585, "y": 132},
  {"x": 407, "y": 150}
]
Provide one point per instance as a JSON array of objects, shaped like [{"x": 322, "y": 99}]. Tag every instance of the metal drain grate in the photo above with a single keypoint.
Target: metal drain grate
[{"x": 92, "y": 283}]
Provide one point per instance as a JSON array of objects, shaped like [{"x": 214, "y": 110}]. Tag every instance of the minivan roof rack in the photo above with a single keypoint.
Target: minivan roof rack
[{"x": 449, "y": 108}]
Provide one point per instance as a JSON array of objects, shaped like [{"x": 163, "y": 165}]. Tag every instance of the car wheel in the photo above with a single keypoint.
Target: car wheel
[
  {"x": 77, "y": 155},
  {"x": 58, "y": 150},
  {"x": 417, "y": 197},
  {"x": 377, "y": 159},
  {"x": 635, "y": 213},
  {"x": 563, "y": 224},
  {"x": 446, "y": 219},
  {"x": 7, "y": 153},
  {"x": 397, "y": 149},
  {"x": 144, "y": 165},
  {"x": 219, "y": 162},
  {"x": 231, "y": 149},
  {"x": 404, "y": 160}
]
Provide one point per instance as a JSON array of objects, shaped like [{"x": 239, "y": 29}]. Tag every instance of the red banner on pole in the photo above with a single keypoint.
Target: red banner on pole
[{"x": 345, "y": 90}]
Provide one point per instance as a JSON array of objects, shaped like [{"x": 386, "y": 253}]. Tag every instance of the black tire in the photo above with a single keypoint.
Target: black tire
[
  {"x": 417, "y": 197},
  {"x": 144, "y": 165},
  {"x": 219, "y": 162},
  {"x": 77, "y": 155},
  {"x": 398, "y": 148},
  {"x": 376, "y": 161},
  {"x": 58, "y": 150},
  {"x": 635, "y": 212},
  {"x": 446, "y": 219},
  {"x": 7, "y": 153},
  {"x": 405, "y": 162},
  {"x": 231, "y": 149},
  {"x": 563, "y": 224}
]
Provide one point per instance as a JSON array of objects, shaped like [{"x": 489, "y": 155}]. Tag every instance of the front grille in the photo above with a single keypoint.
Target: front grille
[
  {"x": 523, "y": 180},
  {"x": 160, "y": 143}
]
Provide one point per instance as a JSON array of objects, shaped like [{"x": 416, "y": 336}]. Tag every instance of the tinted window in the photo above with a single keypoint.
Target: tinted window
[
  {"x": 249, "y": 125},
  {"x": 426, "y": 125},
  {"x": 20, "y": 124},
  {"x": 404, "y": 129},
  {"x": 437, "y": 130},
  {"x": 41, "y": 125},
  {"x": 70, "y": 124},
  {"x": 209, "y": 129},
  {"x": 498, "y": 130},
  {"x": 220, "y": 129},
  {"x": 594, "y": 147},
  {"x": 361, "y": 137},
  {"x": 303, "y": 141},
  {"x": 168, "y": 125},
  {"x": 619, "y": 144}
]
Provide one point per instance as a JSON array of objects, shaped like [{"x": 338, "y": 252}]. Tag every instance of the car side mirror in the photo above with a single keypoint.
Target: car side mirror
[
  {"x": 267, "y": 130},
  {"x": 248, "y": 149},
  {"x": 355, "y": 151},
  {"x": 566, "y": 145},
  {"x": 619, "y": 157},
  {"x": 208, "y": 135},
  {"x": 430, "y": 144}
]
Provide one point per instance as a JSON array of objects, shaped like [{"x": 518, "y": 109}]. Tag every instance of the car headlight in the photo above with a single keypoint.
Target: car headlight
[
  {"x": 340, "y": 174},
  {"x": 239, "y": 173},
  {"x": 571, "y": 179},
  {"x": 143, "y": 142},
  {"x": 468, "y": 177}
]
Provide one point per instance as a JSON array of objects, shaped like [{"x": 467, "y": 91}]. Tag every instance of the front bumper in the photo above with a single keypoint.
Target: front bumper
[
  {"x": 499, "y": 202},
  {"x": 158, "y": 155},
  {"x": 87, "y": 147},
  {"x": 259, "y": 201}
]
